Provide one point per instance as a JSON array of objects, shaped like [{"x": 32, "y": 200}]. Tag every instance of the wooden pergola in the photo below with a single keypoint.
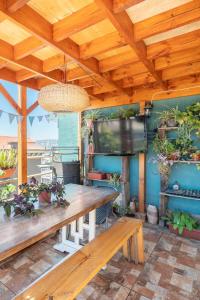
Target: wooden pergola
[{"x": 120, "y": 51}]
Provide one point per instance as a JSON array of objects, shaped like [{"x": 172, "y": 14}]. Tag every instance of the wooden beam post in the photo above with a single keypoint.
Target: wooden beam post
[
  {"x": 142, "y": 171},
  {"x": 22, "y": 136}
]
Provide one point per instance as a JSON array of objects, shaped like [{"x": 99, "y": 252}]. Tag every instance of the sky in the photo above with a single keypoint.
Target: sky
[{"x": 38, "y": 130}]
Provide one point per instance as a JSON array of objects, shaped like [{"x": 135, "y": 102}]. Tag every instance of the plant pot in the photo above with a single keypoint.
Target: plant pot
[
  {"x": 96, "y": 175},
  {"x": 194, "y": 234},
  {"x": 8, "y": 173},
  {"x": 171, "y": 123},
  {"x": 108, "y": 175},
  {"x": 44, "y": 198},
  {"x": 152, "y": 214}
]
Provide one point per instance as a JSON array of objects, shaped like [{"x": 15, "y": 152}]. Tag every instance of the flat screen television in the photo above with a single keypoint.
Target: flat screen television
[{"x": 120, "y": 137}]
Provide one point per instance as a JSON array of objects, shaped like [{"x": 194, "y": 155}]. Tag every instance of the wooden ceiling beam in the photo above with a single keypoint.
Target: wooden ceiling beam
[
  {"x": 128, "y": 71},
  {"x": 27, "y": 47},
  {"x": 14, "y": 5},
  {"x": 182, "y": 70},
  {"x": 86, "y": 82},
  {"x": 117, "y": 61},
  {"x": 54, "y": 62},
  {"x": 34, "y": 23},
  {"x": 76, "y": 73},
  {"x": 138, "y": 80},
  {"x": 3, "y": 63},
  {"x": 124, "y": 26},
  {"x": 183, "y": 42},
  {"x": 168, "y": 20},
  {"x": 178, "y": 58},
  {"x": 23, "y": 74},
  {"x": 8, "y": 75},
  {"x": 120, "y": 5},
  {"x": 10, "y": 99},
  {"x": 102, "y": 44},
  {"x": 30, "y": 63},
  {"x": 83, "y": 18}
]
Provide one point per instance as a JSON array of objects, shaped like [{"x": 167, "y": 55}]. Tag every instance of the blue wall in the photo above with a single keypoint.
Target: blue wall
[{"x": 187, "y": 175}]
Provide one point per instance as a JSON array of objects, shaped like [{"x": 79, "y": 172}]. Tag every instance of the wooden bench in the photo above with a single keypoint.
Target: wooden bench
[{"x": 71, "y": 275}]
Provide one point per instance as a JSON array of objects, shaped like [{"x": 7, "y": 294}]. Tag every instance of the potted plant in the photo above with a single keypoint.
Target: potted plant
[
  {"x": 90, "y": 117},
  {"x": 167, "y": 118},
  {"x": 8, "y": 162},
  {"x": 183, "y": 224},
  {"x": 115, "y": 180},
  {"x": 44, "y": 194},
  {"x": 5, "y": 192},
  {"x": 195, "y": 156},
  {"x": 24, "y": 206},
  {"x": 58, "y": 190}
]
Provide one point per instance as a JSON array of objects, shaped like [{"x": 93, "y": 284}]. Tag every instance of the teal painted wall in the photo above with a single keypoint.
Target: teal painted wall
[
  {"x": 68, "y": 133},
  {"x": 187, "y": 175}
]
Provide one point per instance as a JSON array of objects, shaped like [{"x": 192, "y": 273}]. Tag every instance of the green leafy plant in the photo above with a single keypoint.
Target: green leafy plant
[
  {"x": 8, "y": 159},
  {"x": 163, "y": 146},
  {"x": 5, "y": 192},
  {"x": 115, "y": 180},
  {"x": 181, "y": 220},
  {"x": 121, "y": 211}
]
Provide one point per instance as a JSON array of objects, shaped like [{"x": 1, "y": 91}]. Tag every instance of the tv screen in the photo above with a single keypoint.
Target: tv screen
[{"x": 120, "y": 136}]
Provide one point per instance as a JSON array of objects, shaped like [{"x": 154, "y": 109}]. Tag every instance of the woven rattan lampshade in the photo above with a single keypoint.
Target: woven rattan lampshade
[{"x": 63, "y": 97}]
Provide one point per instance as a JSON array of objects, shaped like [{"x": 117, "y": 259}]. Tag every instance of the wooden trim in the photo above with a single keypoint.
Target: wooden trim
[
  {"x": 22, "y": 137},
  {"x": 10, "y": 99},
  {"x": 121, "y": 5},
  {"x": 32, "y": 107},
  {"x": 14, "y": 5}
]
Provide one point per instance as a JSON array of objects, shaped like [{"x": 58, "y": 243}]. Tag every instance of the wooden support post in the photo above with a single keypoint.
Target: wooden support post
[
  {"x": 142, "y": 171},
  {"x": 125, "y": 181},
  {"x": 22, "y": 137}
]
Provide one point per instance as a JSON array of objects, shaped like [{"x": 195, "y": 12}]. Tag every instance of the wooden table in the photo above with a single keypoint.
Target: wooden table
[{"x": 21, "y": 232}]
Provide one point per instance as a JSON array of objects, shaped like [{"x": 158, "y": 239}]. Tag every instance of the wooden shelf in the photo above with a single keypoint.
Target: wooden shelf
[
  {"x": 187, "y": 161},
  {"x": 179, "y": 196},
  {"x": 102, "y": 180},
  {"x": 168, "y": 128}
]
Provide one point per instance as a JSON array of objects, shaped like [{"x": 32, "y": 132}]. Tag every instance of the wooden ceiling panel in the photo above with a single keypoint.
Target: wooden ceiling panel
[
  {"x": 149, "y": 8},
  {"x": 55, "y": 10},
  {"x": 13, "y": 67},
  {"x": 46, "y": 52},
  {"x": 113, "y": 52},
  {"x": 12, "y": 33},
  {"x": 171, "y": 19},
  {"x": 172, "y": 33},
  {"x": 93, "y": 32}
]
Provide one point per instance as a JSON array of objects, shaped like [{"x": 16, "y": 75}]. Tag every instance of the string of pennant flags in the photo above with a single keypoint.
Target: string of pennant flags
[{"x": 14, "y": 117}]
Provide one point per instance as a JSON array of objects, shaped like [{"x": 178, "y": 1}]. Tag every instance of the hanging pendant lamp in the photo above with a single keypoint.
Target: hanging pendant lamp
[{"x": 63, "y": 97}]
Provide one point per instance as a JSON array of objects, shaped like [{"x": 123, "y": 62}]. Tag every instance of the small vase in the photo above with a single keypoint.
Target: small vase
[
  {"x": 152, "y": 214},
  {"x": 44, "y": 198}
]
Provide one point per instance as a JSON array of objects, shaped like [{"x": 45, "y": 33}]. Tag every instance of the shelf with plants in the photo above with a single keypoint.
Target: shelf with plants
[{"x": 179, "y": 150}]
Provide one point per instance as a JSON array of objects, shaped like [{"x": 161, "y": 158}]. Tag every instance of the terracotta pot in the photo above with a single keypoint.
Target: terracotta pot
[
  {"x": 8, "y": 173},
  {"x": 194, "y": 234},
  {"x": 44, "y": 197},
  {"x": 96, "y": 175}
]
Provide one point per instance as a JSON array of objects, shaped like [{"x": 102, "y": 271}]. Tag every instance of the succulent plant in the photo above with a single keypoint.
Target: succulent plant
[{"x": 8, "y": 159}]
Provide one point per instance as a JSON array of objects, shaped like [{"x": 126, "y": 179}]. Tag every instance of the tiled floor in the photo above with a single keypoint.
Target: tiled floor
[{"x": 171, "y": 271}]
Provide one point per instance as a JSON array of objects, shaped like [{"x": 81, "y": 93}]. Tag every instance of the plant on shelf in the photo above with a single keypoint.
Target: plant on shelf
[
  {"x": 5, "y": 193},
  {"x": 115, "y": 181},
  {"x": 168, "y": 118},
  {"x": 127, "y": 113},
  {"x": 8, "y": 162},
  {"x": 184, "y": 142},
  {"x": 181, "y": 220},
  {"x": 58, "y": 190}
]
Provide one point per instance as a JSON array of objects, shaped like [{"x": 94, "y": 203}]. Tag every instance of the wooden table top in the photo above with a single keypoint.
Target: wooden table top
[{"x": 21, "y": 232}]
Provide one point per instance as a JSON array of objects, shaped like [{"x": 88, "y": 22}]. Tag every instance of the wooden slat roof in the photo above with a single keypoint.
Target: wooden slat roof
[{"x": 120, "y": 51}]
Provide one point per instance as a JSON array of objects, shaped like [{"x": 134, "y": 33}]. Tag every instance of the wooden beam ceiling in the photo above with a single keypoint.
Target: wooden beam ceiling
[
  {"x": 14, "y": 5},
  {"x": 124, "y": 26},
  {"x": 43, "y": 30},
  {"x": 121, "y": 5},
  {"x": 27, "y": 47},
  {"x": 168, "y": 20}
]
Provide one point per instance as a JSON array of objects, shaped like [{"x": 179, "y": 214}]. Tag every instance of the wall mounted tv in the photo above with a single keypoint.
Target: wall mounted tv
[{"x": 120, "y": 137}]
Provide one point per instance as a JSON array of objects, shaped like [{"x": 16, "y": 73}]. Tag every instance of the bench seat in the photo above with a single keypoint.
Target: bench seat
[{"x": 72, "y": 274}]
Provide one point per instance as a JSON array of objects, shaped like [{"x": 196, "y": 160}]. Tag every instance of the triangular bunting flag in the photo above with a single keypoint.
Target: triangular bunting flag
[
  {"x": 31, "y": 119},
  {"x": 47, "y": 118},
  {"x": 40, "y": 118},
  {"x": 11, "y": 117}
]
